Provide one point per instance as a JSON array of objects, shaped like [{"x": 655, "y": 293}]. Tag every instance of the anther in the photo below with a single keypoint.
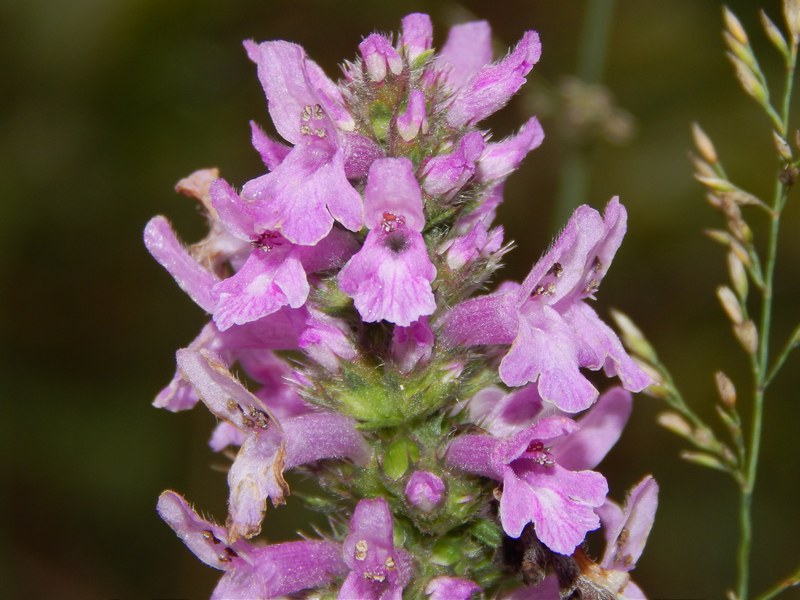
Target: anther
[
  {"x": 556, "y": 270},
  {"x": 209, "y": 536},
  {"x": 306, "y": 114},
  {"x": 597, "y": 266},
  {"x": 361, "y": 549},
  {"x": 389, "y": 563}
]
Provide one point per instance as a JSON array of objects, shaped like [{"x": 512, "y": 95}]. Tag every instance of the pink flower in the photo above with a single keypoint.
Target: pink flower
[{"x": 390, "y": 277}]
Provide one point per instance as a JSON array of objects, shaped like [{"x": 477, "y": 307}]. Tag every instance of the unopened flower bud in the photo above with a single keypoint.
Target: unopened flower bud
[
  {"x": 715, "y": 183},
  {"x": 726, "y": 389},
  {"x": 633, "y": 336},
  {"x": 738, "y": 275},
  {"x": 414, "y": 120},
  {"x": 675, "y": 423},
  {"x": 704, "y": 145},
  {"x": 781, "y": 146},
  {"x": 730, "y": 303},
  {"x": 747, "y": 334},
  {"x": 774, "y": 34},
  {"x": 791, "y": 12},
  {"x": 704, "y": 460},
  {"x": 425, "y": 490},
  {"x": 379, "y": 54},
  {"x": 734, "y": 26},
  {"x": 747, "y": 79}
]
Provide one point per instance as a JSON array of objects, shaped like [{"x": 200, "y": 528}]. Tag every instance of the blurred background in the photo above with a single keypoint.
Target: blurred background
[{"x": 107, "y": 103}]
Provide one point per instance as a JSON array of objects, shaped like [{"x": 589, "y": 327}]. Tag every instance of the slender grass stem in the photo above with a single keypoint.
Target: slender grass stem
[
  {"x": 574, "y": 177},
  {"x": 762, "y": 374}
]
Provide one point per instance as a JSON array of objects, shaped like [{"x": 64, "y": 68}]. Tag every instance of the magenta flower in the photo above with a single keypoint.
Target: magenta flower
[
  {"x": 553, "y": 332},
  {"x": 380, "y": 57},
  {"x": 425, "y": 490},
  {"x": 274, "y": 273},
  {"x": 468, "y": 49},
  {"x": 378, "y": 571},
  {"x": 488, "y": 90},
  {"x": 417, "y": 35},
  {"x": 446, "y": 174},
  {"x": 626, "y": 530},
  {"x": 542, "y": 462},
  {"x": 251, "y": 570},
  {"x": 536, "y": 489},
  {"x": 270, "y": 446},
  {"x": 390, "y": 277},
  {"x": 414, "y": 119},
  {"x": 451, "y": 588},
  {"x": 412, "y": 346},
  {"x": 302, "y": 196}
]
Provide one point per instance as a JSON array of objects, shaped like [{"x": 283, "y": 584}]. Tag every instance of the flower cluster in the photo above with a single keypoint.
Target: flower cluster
[{"x": 441, "y": 426}]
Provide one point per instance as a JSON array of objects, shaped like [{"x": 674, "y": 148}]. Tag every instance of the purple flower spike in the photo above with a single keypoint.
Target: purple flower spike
[
  {"x": 251, "y": 571},
  {"x": 417, "y": 34},
  {"x": 445, "y": 174},
  {"x": 424, "y": 490},
  {"x": 500, "y": 159},
  {"x": 414, "y": 120},
  {"x": 490, "y": 88},
  {"x": 379, "y": 56},
  {"x": 468, "y": 48},
  {"x": 390, "y": 277},
  {"x": 536, "y": 489},
  {"x": 451, "y": 588},
  {"x": 377, "y": 570}
]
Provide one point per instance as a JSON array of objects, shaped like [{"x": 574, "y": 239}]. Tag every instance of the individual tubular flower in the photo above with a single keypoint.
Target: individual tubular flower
[
  {"x": 378, "y": 571},
  {"x": 414, "y": 119},
  {"x": 390, "y": 277},
  {"x": 492, "y": 86},
  {"x": 274, "y": 273},
  {"x": 445, "y": 175},
  {"x": 536, "y": 489},
  {"x": 251, "y": 570},
  {"x": 270, "y": 446},
  {"x": 626, "y": 530},
  {"x": 380, "y": 57},
  {"x": 552, "y": 330},
  {"x": 308, "y": 190},
  {"x": 451, "y": 588},
  {"x": 424, "y": 490},
  {"x": 417, "y": 35},
  {"x": 412, "y": 346},
  {"x": 468, "y": 48},
  {"x": 500, "y": 159}
]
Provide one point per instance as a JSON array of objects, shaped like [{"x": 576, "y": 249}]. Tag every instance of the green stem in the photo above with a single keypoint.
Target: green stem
[
  {"x": 762, "y": 373},
  {"x": 574, "y": 178},
  {"x": 790, "y": 345},
  {"x": 791, "y": 581}
]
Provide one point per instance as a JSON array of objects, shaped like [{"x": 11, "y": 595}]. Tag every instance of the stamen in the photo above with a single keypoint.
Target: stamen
[
  {"x": 391, "y": 222},
  {"x": 361, "y": 549},
  {"x": 306, "y": 114},
  {"x": 209, "y": 536},
  {"x": 557, "y": 270},
  {"x": 597, "y": 266},
  {"x": 389, "y": 562}
]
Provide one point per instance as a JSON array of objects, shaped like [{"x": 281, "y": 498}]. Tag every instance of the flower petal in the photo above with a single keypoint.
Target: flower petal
[
  {"x": 468, "y": 48},
  {"x": 163, "y": 244},
  {"x": 599, "y": 430}
]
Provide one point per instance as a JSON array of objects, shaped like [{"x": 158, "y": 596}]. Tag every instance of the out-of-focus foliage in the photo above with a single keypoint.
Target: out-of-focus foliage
[{"x": 106, "y": 104}]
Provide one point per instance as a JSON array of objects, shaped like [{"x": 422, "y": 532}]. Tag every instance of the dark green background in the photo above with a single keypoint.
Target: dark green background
[{"x": 106, "y": 103}]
